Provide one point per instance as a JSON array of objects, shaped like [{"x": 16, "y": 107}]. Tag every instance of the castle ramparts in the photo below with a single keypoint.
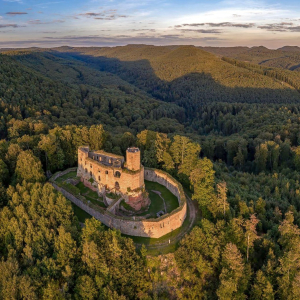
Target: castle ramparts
[{"x": 154, "y": 228}]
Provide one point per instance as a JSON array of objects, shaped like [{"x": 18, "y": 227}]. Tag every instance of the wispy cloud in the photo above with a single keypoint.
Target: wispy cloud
[
  {"x": 39, "y": 22},
  {"x": 19, "y": 1},
  {"x": 223, "y": 24},
  {"x": 9, "y": 25},
  {"x": 281, "y": 27},
  {"x": 16, "y": 13},
  {"x": 205, "y": 31},
  {"x": 110, "y": 14}
]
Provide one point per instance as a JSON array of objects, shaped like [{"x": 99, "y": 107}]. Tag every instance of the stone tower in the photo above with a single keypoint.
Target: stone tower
[{"x": 133, "y": 158}]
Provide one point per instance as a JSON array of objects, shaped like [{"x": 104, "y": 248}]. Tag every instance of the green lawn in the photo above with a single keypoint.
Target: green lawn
[
  {"x": 69, "y": 175},
  {"x": 156, "y": 202},
  {"x": 96, "y": 202},
  {"x": 85, "y": 191}
]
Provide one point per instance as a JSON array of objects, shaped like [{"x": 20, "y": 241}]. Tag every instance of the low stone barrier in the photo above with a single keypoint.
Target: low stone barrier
[{"x": 154, "y": 228}]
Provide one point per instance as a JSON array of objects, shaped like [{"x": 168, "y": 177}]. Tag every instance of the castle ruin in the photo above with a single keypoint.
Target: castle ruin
[{"x": 109, "y": 173}]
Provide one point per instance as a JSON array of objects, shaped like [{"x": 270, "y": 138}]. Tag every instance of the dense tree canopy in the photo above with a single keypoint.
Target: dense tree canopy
[{"x": 227, "y": 130}]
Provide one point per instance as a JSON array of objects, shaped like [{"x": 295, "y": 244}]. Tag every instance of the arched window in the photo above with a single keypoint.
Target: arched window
[
  {"x": 91, "y": 173},
  {"x": 99, "y": 179},
  {"x": 118, "y": 174},
  {"x": 117, "y": 186},
  {"x": 106, "y": 172},
  {"x": 110, "y": 161}
]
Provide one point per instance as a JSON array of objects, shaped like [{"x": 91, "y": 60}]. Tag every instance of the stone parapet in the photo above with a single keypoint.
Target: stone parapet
[{"x": 154, "y": 228}]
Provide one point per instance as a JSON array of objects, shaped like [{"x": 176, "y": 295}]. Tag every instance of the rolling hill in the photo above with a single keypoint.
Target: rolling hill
[
  {"x": 44, "y": 87},
  {"x": 287, "y": 57}
]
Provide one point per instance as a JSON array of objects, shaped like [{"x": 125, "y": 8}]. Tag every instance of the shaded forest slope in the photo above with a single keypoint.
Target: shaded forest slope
[
  {"x": 184, "y": 75},
  {"x": 47, "y": 88}
]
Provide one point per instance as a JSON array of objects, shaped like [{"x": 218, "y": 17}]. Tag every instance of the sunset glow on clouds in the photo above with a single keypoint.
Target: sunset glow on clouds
[{"x": 26, "y": 23}]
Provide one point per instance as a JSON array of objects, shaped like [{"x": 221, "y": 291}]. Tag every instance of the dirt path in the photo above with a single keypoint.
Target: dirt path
[{"x": 192, "y": 212}]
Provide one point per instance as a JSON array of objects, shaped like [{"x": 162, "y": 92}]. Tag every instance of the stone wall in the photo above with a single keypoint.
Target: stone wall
[
  {"x": 154, "y": 228},
  {"x": 166, "y": 180},
  {"x": 115, "y": 205},
  {"x": 59, "y": 174}
]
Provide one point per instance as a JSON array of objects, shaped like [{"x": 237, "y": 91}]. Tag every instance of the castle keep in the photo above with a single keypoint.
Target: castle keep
[{"x": 105, "y": 172}]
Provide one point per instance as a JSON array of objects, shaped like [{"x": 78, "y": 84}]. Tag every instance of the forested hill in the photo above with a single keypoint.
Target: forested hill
[
  {"x": 185, "y": 75},
  {"x": 136, "y": 87},
  {"x": 45, "y": 88},
  {"x": 287, "y": 57}
]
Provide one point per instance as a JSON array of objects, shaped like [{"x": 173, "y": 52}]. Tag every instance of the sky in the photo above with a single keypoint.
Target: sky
[{"x": 37, "y": 23}]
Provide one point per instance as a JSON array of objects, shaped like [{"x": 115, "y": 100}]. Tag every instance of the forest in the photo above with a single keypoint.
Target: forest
[{"x": 227, "y": 129}]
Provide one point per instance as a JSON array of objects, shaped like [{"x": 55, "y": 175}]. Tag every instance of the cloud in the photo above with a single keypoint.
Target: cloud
[
  {"x": 192, "y": 24},
  {"x": 281, "y": 27},
  {"x": 9, "y": 25},
  {"x": 39, "y": 22},
  {"x": 223, "y": 24},
  {"x": 170, "y": 36},
  {"x": 72, "y": 37},
  {"x": 111, "y": 17},
  {"x": 149, "y": 30},
  {"x": 110, "y": 14},
  {"x": 16, "y": 13},
  {"x": 294, "y": 29},
  {"x": 213, "y": 31},
  {"x": 90, "y": 14}
]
